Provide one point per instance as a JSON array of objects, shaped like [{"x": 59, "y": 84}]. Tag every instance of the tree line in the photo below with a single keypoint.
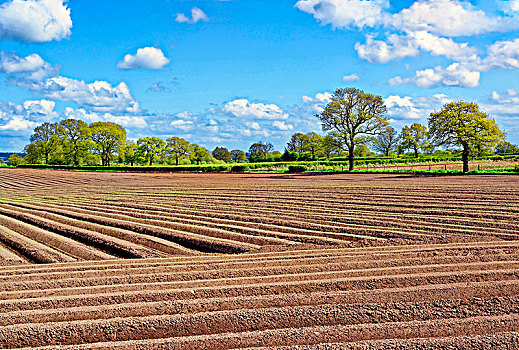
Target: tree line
[{"x": 354, "y": 120}]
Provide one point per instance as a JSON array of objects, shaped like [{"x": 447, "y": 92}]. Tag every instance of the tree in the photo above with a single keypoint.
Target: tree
[
  {"x": 222, "y": 153},
  {"x": 331, "y": 145},
  {"x": 200, "y": 154},
  {"x": 354, "y": 115},
  {"x": 44, "y": 142},
  {"x": 415, "y": 138},
  {"x": 259, "y": 151},
  {"x": 150, "y": 147},
  {"x": 507, "y": 148},
  {"x": 108, "y": 138},
  {"x": 314, "y": 144},
  {"x": 462, "y": 124},
  {"x": 238, "y": 156},
  {"x": 386, "y": 141},
  {"x": 297, "y": 142},
  {"x": 15, "y": 160},
  {"x": 178, "y": 148},
  {"x": 129, "y": 151},
  {"x": 75, "y": 136}
]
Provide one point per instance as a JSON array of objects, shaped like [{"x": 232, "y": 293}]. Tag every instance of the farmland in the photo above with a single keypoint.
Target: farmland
[{"x": 303, "y": 261}]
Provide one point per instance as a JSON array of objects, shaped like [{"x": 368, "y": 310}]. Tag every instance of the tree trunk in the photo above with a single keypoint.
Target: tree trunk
[
  {"x": 465, "y": 158},
  {"x": 416, "y": 152},
  {"x": 351, "y": 157},
  {"x": 176, "y": 160},
  {"x": 151, "y": 160}
]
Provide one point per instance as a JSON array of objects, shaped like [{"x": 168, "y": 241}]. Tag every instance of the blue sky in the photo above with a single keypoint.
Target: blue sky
[{"x": 239, "y": 71}]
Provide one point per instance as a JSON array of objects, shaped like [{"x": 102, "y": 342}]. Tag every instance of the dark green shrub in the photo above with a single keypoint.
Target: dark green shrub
[
  {"x": 239, "y": 168},
  {"x": 297, "y": 168}
]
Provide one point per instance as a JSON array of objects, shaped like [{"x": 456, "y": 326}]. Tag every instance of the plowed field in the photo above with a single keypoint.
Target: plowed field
[{"x": 218, "y": 261}]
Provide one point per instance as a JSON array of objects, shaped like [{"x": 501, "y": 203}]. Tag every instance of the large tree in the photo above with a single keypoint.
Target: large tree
[
  {"x": 75, "y": 135},
  {"x": 415, "y": 138},
  {"x": 108, "y": 138},
  {"x": 314, "y": 144},
  {"x": 386, "y": 141},
  {"x": 462, "y": 124},
  {"x": 259, "y": 151},
  {"x": 129, "y": 151},
  {"x": 178, "y": 147},
  {"x": 150, "y": 147},
  {"x": 200, "y": 154},
  {"x": 222, "y": 153},
  {"x": 44, "y": 142},
  {"x": 353, "y": 115},
  {"x": 238, "y": 156},
  {"x": 297, "y": 142}
]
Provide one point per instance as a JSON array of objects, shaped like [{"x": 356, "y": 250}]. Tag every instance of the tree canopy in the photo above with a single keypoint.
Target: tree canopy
[
  {"x": 415, "y": 138},
  {"x": 463, "y": 125},
  {"x": 353, "y": 115}
]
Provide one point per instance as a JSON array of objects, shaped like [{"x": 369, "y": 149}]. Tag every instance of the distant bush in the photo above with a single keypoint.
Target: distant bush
[
  {"x": 239, "y": 168},
  {"x": 297, "y": 168}
]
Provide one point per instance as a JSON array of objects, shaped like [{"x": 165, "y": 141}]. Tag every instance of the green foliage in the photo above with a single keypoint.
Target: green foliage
[
  {"x": 15, "y": 160},
  {"x": 222, "y": 153},
  {"x": 238, "y": 156},
  {"x": 259, "y": 151},
  {"x": 149, "y": 148},
  {"x": 75, "y": 136},
  {"x": 415, "y": 138},
  {"x": 200, "y": 155},
  {"x": 107, "y": 138},
  {"x": 290, "y": 156},
  {"x": 462, "y": 124},
  {"x": 353, "y": 116},
  {"x": 178, "y": 147}
]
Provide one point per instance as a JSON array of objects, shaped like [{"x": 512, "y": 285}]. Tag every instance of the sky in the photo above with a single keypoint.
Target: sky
[{"x": 234, "y": 72}]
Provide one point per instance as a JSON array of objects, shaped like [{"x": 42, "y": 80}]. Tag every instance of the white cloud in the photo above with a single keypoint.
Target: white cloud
[
  {"x": 449, "y": 18},
  {"x": 281, "y": 125},
  {"x": 509, "y": 6},
  {"x": 32, "y": 67},
  {"x": 244, "y": 108},
  {"x": 90, "y": 117},
  {"x": 395, "y": 47},
  {"x": 345, "y": 13},
  {"x": 99, "y": 96},
  {"x": 20, "y": 119},
  {"x": 351, "y": 77},
  {"x": 323, "y": 97},
  {"x": 34, "y": 20},
  {"x": 196, "y": 15},
  {"x": 406, "y": 109},
  {"x": 501, "y": 54},
  {"x": 147, "y": 57},
  {"x": 453, "y": 75},
  {"x": 182, "y": 124}
]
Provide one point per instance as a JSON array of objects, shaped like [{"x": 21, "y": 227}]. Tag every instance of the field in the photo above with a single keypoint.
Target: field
[{"x": 300, "y": 261}]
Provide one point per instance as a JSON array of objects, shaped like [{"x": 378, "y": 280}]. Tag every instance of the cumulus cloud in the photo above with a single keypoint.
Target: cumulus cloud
[
  {"x": 20, "y": 119},
  {"x": 501, "y": 54},
  {"x": 405, "y": 109},
  {"x": 244, "y": 108},
  {"x": 281, "y": 125},
  {"x": 196, "y": 16},
  {"x": 453, "y": 75},
  {"x": 146, "y": 57},
  {"x": 448, "y": 18},
  {"x": 345, "y": 13},
  {"x": 34, "y": 21},
  {"x": 395, "y": 47},
  {"x": 31, "y": 67},
  {"x": 351, "y": 77},
  {"x": 99, "y": 96}
]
